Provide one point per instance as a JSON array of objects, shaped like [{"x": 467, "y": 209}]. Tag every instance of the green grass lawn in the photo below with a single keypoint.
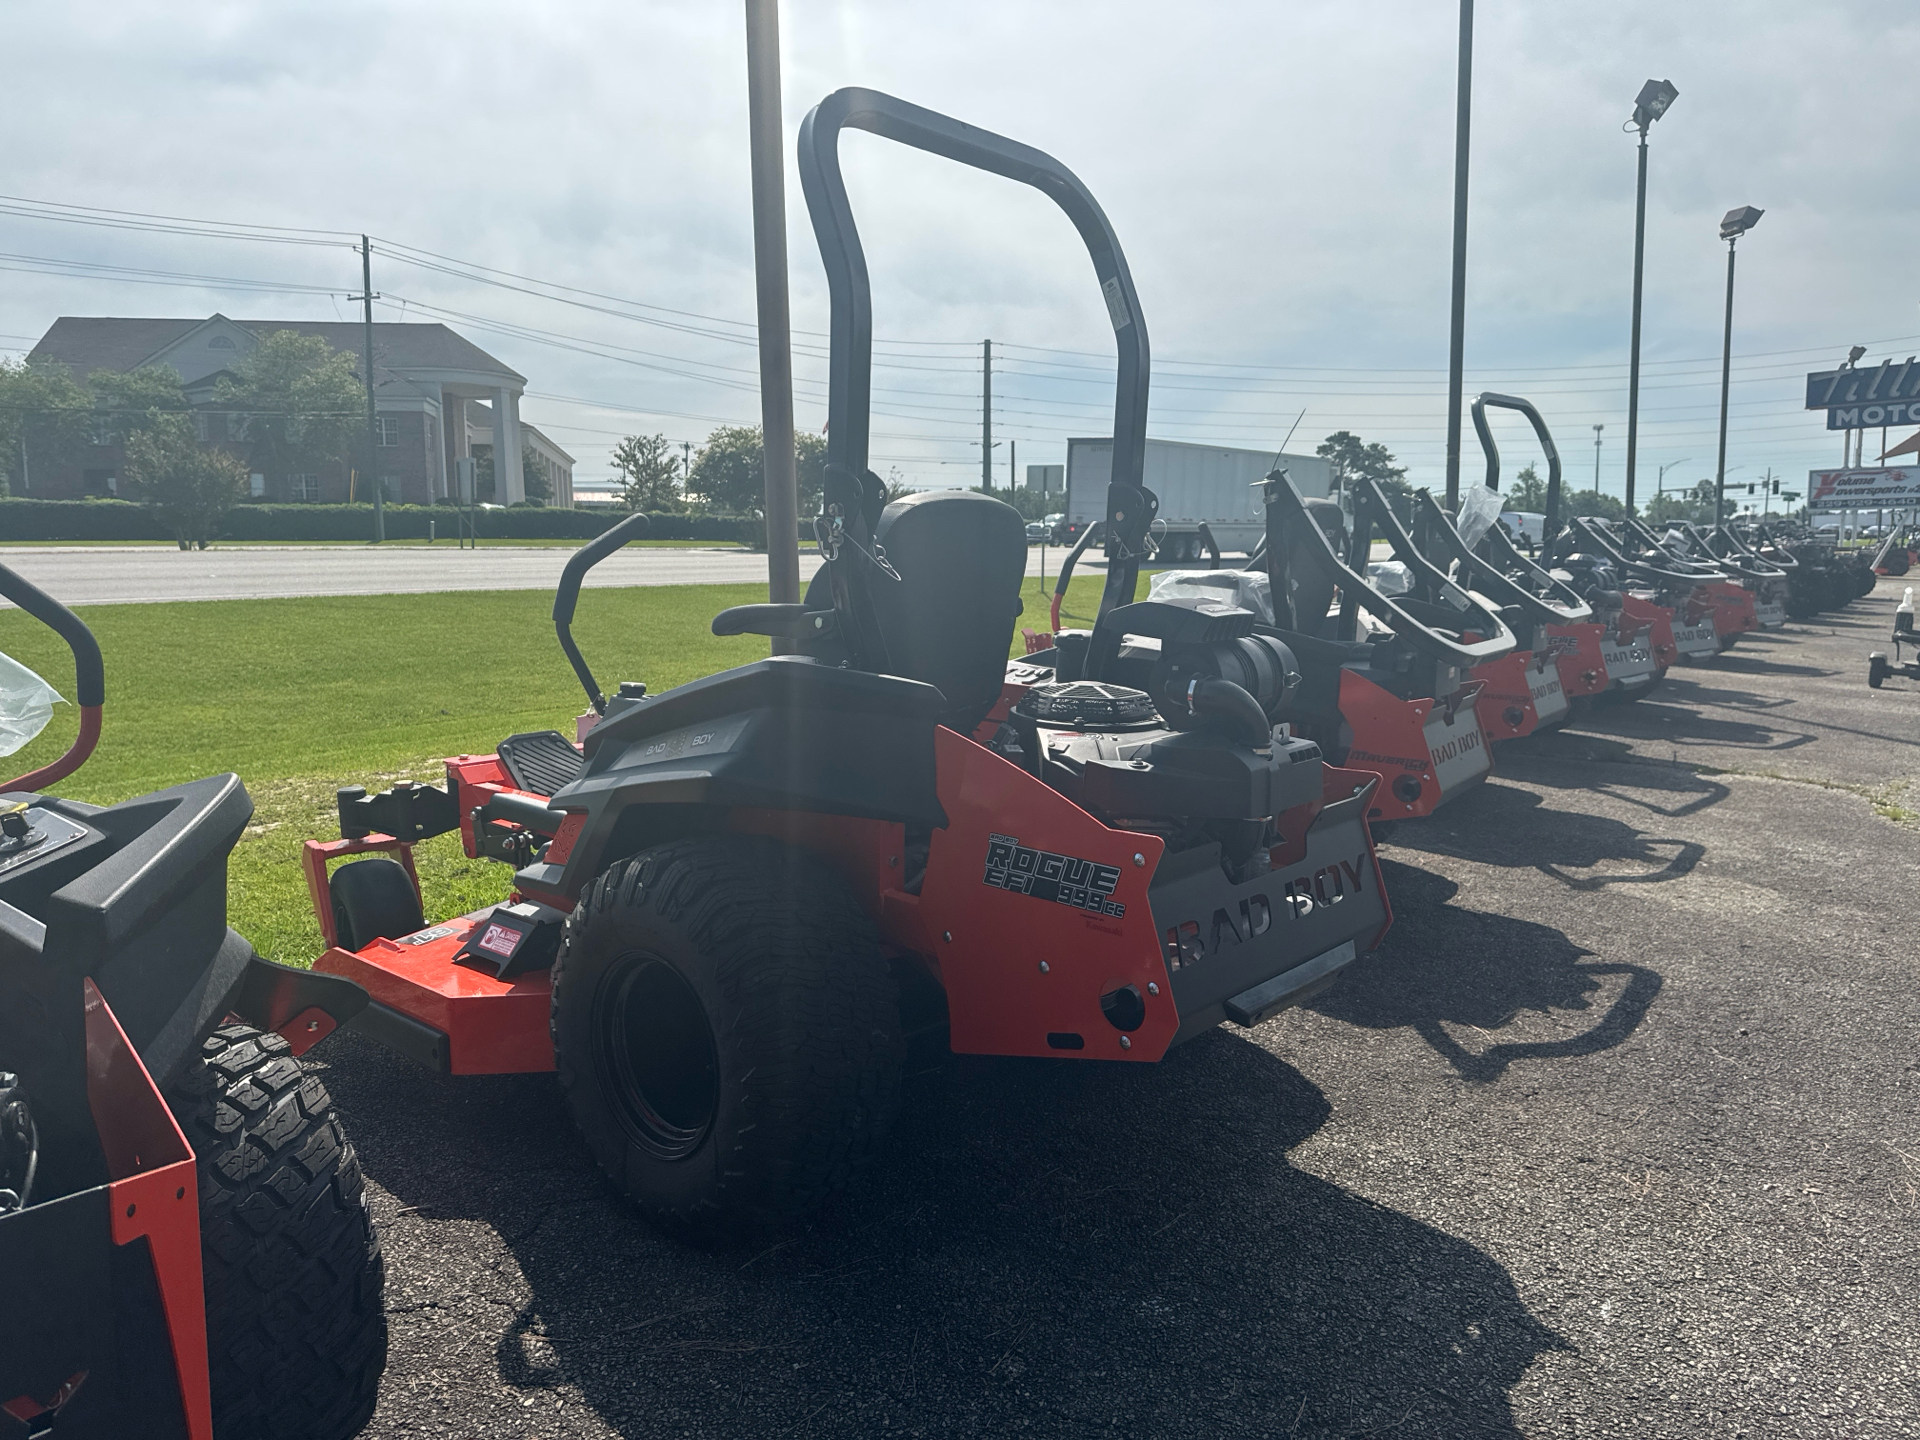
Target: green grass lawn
[{"x": 302, "y": 696}]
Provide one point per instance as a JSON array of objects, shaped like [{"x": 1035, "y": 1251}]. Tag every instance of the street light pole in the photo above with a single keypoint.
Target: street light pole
[
  {"x": 1655, "y": 96},
  {"x": 770, "y": 277},
  {"x": 1735, "y": 224},
  {"x": 1596, "y": 457},
  {"x": 1456, "y": 346}
]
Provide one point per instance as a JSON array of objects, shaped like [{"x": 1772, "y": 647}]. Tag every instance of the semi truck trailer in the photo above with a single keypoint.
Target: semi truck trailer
[{"x": 1195, "y": 484}]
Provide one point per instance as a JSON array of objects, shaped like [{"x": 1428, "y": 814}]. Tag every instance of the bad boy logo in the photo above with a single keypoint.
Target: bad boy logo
[{"x": 1063, "y": 879}]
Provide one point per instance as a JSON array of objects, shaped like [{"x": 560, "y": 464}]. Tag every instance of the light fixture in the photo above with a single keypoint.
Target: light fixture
[
  {"x": 1738, "y": 221},
  {"x": 1653, "y": 101}
]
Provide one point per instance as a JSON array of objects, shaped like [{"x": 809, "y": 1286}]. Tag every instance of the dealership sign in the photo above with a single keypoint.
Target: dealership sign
[
  {"x": 1855, "y": 399},
  {"x": 1867, "y": 489}
]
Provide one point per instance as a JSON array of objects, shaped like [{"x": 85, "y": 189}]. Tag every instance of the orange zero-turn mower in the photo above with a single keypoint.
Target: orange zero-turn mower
[
  {"x": 1525, "y": 691},
  {"x": 1701, "y": 600},
  {"x": 185, "y": 1247},
  {"x": 1608, "y": 654},
  {"x": 740, "y": 905},
  {"x": 1766, "y": 579}
]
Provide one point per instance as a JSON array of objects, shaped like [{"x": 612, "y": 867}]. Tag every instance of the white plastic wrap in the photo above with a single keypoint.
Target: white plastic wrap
[
  {"x": 1247, "y": 589},
  {"x": 1479, "y": 508},
  {"x": 1389, "y": 577},
  {"x": 26, "y": 704}
]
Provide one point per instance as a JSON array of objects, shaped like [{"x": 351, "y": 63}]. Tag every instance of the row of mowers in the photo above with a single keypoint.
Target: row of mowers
[{"x": 742, "y": 909}]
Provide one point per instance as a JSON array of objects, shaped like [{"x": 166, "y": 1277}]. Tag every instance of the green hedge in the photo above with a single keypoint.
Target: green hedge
[{"x": 123, "y": 520}]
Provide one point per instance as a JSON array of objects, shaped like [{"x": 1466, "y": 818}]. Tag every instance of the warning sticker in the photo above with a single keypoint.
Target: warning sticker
[{"x": 500, "y": 940}]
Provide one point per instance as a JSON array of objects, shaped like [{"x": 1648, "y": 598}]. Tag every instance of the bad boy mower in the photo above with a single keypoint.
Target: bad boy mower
[
  {"x": 1596, "y": 654},
  {"x": 1384, "y": 682},
  {"x": 738, "y": 904},
  {"x": 185, "y": 1248}
]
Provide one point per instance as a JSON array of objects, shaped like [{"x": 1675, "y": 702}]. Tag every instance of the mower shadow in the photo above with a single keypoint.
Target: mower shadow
[
  {"x": 1504, "y": 825},
  {"x": 1495, "y": 971},
  {"x": 1048, "y": 1246},
  {"x": 1670, "y": 718},
  {"x": 1600, "y": 765}
]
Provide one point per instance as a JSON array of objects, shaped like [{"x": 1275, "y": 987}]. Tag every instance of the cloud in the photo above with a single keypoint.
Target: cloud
[{"x": 1280, "y": 175}]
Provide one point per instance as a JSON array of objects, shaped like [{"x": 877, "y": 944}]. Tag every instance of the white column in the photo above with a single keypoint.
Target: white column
[{"x": 509, "y": 482}]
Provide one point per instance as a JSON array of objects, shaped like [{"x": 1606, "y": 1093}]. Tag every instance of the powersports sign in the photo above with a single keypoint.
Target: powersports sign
[{"x": 1871, "y": 488}]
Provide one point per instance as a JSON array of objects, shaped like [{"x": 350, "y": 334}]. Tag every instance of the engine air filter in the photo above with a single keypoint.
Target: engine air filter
[{"x": 1087, "y": 704}]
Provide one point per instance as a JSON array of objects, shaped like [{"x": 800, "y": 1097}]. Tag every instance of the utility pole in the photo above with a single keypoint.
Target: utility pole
[
  {"x": 1456, "y": 349},
  {"x": 1596, "y": 457},
  {"x": 1013, "y": 470},
  {"x": 986, "y": 414},
  {"x": 373, "y": 424},
  {"x": 686, "y": 460},
  {"x": 775, "y": 323}
]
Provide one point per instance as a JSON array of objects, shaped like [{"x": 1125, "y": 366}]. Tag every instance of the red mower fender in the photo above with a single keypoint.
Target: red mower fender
[
  {"x": 1577, "y": 651},
  {"x": 1657, "y": 622},
  {"x": 1733, "y": 609},
  {"x": 1423, "y": 753},
  {"x": 1506, "y": 708}
]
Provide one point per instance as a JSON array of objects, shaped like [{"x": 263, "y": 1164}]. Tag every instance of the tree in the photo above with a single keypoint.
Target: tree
[
  {"x": 1354, "y": 459},
  {"x": 1692, "y": 507},
  {"x": 185, "y": 484},
  {"x": 130, "y": 401},
  {"x": 1592, "y": 502},
  {"x": 535, "y": 479},
  {"x": 1528, "y": 492},
  {"x": 46, "y": 419},
  {"x": 296, "y": 401},
  {"x": 1032, "y": 504},
  {"x": 650, "y": 474},
  {"x": 729, "y": 473}
]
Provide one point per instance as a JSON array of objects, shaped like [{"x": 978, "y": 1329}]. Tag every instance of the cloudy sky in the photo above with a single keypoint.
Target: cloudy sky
[{"x": 1280, "y": 174}]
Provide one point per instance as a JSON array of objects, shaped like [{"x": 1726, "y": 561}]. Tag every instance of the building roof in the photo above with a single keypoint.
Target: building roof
[{"x": 86, "y": 343}]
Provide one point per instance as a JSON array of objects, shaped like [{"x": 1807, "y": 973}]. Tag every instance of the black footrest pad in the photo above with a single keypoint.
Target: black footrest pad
[{"x": 541, "y": 762}]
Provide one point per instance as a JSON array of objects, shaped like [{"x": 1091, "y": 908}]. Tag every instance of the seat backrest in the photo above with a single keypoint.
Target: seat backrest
[{"x": 949, "y": 622}]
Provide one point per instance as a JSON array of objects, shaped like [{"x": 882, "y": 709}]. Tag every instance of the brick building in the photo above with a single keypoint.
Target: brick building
[{"x": 437, "y": 398}]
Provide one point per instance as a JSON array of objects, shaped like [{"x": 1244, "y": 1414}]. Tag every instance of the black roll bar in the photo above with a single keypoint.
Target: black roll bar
[
  {"x": 1130, "y": 506},
  {"x": 89, "y": 676},
  {"x": 567, "y": 594},
  {"x": 1595, "y": 533},
  {"x": 1288, "y": 516},
  {"x": 1543, "y": 599},
  {"x": 1551, "y": 526}
]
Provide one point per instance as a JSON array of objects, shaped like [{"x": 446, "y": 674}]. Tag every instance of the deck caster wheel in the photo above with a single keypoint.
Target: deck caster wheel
[
  {"x": 372, "y": 899},
  {"x": 1877, "y": 668},
  {"x": 727, "y": 1032}
]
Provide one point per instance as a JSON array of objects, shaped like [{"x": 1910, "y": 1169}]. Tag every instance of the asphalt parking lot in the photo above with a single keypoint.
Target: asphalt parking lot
[{"x": 1615, "y": 1135}]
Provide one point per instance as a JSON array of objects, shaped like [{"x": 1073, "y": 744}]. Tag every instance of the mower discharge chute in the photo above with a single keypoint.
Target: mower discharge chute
[
  {"x": 740, "y": 905},
  {"x": 184, "y": 1235}
]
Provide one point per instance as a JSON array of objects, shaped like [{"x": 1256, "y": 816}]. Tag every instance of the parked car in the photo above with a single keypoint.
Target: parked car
[{"x": 1038, "y": 532}]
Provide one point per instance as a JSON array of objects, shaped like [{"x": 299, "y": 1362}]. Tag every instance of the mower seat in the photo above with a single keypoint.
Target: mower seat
[{"x": 949, "y": 622}]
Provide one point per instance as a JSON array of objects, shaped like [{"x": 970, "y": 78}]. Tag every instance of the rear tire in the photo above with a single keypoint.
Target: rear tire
[
  {"x": 373, "y": 899},
  {"x": 296, "y": 1325},
  {"x": 727, "y": 1032}
]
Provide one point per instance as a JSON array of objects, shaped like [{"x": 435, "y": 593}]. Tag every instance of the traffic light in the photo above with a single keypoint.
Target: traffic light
[
  {"x": 1776, "y": 487},
  {"x": 1750, "y": 489}
]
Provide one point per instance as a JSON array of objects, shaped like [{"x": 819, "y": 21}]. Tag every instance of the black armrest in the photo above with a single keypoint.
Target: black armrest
[{"x": 787, "y": 622}]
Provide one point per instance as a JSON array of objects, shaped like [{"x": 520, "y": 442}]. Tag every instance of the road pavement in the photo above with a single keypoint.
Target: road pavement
[
  {"x": 1617, "y": 1134},
  {"x": 110, "y": 575}
]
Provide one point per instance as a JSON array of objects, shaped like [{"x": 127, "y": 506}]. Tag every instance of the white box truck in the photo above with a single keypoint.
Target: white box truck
[{"x": 1194, "y": 483}]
